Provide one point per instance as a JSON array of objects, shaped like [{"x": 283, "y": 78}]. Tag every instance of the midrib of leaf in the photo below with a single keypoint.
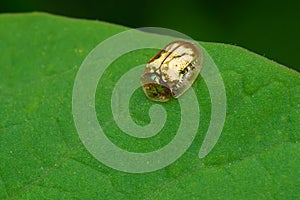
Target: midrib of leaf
[{"x": 203, "y": 169}]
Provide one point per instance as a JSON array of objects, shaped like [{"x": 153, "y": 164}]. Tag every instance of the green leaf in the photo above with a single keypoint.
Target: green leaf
[{"x": 42, "y": 157}]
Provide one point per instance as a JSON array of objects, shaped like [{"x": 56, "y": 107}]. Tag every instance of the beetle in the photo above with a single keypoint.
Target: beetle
[{"x": 172, "y": 71}]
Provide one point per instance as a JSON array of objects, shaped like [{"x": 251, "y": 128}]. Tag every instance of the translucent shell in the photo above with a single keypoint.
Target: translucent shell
[{"x": 172, "y": 71}]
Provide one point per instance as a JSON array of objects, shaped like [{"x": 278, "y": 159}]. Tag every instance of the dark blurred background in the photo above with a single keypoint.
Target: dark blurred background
[{"x": 269, "y": 28}]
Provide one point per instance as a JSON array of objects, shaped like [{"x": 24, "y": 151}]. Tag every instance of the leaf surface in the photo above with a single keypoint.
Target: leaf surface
[{"x": 42, "y": 157}]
